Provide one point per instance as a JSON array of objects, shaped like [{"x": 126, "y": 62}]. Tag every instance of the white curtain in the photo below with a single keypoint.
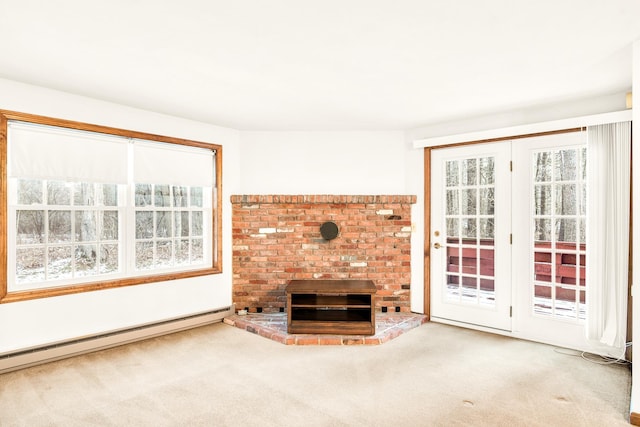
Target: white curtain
[
  {"x": 51, "y": 152},
  {"x": 608, "y": 215},
  {"x": 157, "y": 163}
]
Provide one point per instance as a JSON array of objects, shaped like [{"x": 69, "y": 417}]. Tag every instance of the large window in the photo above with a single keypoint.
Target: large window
[{"x": 89, "y": 207}]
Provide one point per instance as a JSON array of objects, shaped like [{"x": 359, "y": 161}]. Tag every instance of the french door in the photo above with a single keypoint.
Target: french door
[
  {"x": 470, "y": 226},
  {"x": 549, "y": 250},
  {"x": 508, "y": 231}
]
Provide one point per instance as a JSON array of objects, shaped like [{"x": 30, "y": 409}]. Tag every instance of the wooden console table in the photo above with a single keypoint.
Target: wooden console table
[{"x": 339, "y": 307}]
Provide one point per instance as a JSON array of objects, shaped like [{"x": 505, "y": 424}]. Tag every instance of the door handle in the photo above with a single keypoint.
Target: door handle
[{"x": 437, "y": 245}]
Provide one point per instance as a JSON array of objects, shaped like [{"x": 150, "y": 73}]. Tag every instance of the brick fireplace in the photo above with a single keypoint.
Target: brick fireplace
[{"x": 277, "y": 238}]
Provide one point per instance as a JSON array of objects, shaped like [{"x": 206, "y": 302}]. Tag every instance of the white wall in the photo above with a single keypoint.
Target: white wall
[
  {"x": 41, "y": 321},
  {"x": 322, "y": 163},
  {"x": 414, "y": 183}
]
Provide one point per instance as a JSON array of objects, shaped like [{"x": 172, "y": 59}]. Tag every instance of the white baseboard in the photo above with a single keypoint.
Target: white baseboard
[{"x": 55, "y": 351}]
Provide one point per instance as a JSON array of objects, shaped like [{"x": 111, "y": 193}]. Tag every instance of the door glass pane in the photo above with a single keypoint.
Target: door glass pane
[
  {"x": 565, "y": 302},
  {"x": 566, "y": 199},
  {"x": 487, "y": 201},
  {"x": 487, "y": 292},
  {"x": 542, "y": 300},
  {"x": 453, "y": 288},
  {"x": 542, "y": 162},
  {"x": 543, "y": 265},
  {"x": 565, "y": 164},
  {"x": 469, "y": 227},
  {"x": 454, "y": 268},
  {"x": 565, "y": 232},
  {"x": 469, "y": 289},
  {"x": 452, "y": 228},
  {"x": 559, "y": 233},
  {"x": 452, "y": 173},
  {"x": 453, "y": 202},
  {"x": 486, "y": 231},
  {"x": 542, "y": 231},
  {"x": 487, "y": 172},
  {"x": 469, "y": 172},
  {"x": 486, "y": 263},
  {"x": 542, "y": 199},
  {"x": 469, "y": 261},
  {"x": 470, "y": 219},
  {"x": 469, "y": 206}
]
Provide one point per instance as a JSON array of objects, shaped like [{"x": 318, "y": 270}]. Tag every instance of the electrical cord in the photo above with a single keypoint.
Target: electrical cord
[{"x": 595, "y": 358}]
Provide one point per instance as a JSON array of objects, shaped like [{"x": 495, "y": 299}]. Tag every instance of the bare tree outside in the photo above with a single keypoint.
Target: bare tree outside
[
  {"x": 559, "y": 214},
  {"x": 169, "y": 226},
  {"x": 65, "y": 230},
  {"x": 559, "y": 179}
]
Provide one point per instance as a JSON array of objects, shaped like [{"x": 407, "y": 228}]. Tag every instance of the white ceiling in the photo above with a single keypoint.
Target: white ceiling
[{"x": 325, "y": 64}]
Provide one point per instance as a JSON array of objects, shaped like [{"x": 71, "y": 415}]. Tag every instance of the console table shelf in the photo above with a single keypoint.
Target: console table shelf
[{"x": 341, "y": 307}]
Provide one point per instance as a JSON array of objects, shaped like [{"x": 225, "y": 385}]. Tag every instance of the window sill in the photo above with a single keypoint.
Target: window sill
[{"x": 97, "y": 286}]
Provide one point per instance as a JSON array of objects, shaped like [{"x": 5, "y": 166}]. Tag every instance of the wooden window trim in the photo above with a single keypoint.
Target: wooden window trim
[{"x": 216, "y": 228}]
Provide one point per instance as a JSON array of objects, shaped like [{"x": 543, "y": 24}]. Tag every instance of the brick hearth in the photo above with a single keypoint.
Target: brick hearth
[{"x": 274, "y": 327}]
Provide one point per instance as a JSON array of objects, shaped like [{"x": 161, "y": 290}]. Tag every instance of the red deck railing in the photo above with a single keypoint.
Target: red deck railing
[{"x": 464, "y": 260}]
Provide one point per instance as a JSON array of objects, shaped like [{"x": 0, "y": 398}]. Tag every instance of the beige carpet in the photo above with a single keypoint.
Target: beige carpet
[{"x": 219, "y": 375}]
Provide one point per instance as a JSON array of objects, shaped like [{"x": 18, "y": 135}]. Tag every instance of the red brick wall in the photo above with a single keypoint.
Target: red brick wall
[{"x": 276, "y": 238}]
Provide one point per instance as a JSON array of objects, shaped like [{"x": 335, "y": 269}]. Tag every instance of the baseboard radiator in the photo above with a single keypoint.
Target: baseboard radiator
[{"x": 48, "y": 353}]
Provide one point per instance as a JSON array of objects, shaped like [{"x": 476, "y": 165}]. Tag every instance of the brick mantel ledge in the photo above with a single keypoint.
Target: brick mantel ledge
[{"x": 321, "y": 198}]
